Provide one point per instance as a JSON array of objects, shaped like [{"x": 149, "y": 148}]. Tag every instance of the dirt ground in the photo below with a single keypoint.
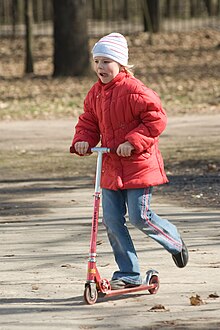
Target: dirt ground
[
  {"x": 45, "y": 218},
  {"x": 39, "y": 150}
]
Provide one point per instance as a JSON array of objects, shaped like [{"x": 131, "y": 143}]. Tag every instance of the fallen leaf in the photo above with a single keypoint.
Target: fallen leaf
[
  {"x": 196, "y": 301},
  {"x": 35, "y": 287},
  {"x": 158, "y": 307},
  {"x": 67, "y": 266},
  {"x": 211, "y": 167},
  {"x": 213, "y": 295}
]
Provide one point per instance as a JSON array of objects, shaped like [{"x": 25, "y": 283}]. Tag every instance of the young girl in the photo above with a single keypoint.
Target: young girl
[{"x": 128, "y": 117}]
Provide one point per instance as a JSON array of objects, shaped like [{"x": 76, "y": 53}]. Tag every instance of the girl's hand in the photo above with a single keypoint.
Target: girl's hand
[
  {"x": 125, "y": 149},
  {"x": 81, "y": 147}
]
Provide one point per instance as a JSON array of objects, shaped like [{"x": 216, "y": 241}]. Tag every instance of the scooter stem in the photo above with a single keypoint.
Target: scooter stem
[{"x": 100, "y": 151}]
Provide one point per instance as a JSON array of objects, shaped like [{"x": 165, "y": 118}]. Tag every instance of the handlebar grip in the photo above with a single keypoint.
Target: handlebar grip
[{"x": 73, "y": 150}]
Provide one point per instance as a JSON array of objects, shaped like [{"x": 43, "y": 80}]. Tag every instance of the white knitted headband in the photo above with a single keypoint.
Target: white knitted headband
[{"x": 113, "y": 46}]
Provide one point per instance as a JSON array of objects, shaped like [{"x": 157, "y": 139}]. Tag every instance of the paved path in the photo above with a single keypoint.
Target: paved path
[
  {"x": 44, "y": 256},
  {"x": 43, "y": 270}
]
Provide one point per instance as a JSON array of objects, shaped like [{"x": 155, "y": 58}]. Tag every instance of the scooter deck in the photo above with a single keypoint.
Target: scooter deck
[{"x": 142, "y": 287}]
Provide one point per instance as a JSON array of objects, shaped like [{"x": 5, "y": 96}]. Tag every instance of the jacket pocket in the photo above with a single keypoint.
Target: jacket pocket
[{"x": 138, "y": 157}]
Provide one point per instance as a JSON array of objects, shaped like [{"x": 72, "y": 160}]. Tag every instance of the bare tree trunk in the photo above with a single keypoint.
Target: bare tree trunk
[
  {"x": 71, "y": 54},
  {"x": 193, "y": 8},
  {"x": 97, "y": 9},
  {"x": 125, "y": 11},
  {"x": 210, "y": 7},
  {"x": 218, "y": 8},
  {"x": 14, "y": 12},
  {"x": 154, "y": 16},
  {"x": 168, "y": 11},
  {"x": 29, "y": 67}
]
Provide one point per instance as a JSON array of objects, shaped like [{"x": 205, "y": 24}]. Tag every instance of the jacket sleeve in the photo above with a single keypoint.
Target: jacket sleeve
[
  {"x": 87, "y": 128},
  {"x": 153, "y": 121}
]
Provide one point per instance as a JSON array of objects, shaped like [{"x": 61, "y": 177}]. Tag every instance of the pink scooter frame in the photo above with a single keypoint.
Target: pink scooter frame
[{"x": 95, "y": 284}]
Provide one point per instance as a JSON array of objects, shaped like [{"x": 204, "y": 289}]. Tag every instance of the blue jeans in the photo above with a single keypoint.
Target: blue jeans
[{"x": 137, "y": 201}]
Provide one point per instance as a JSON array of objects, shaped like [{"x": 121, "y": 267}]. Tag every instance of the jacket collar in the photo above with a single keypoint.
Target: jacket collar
[{"x": 120, "y": 76}]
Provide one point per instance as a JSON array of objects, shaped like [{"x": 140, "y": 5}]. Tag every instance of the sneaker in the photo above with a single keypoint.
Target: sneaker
[
  {"x": 119, "y": 284},
  {"x": 182, "y": 257}
]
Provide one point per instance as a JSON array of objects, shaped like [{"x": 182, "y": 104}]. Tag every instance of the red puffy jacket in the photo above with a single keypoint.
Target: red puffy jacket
[{"x": 124, "y": 110}]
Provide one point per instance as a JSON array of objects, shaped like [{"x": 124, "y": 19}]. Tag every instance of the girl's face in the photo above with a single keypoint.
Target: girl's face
[{"x": 106, "y": 69}]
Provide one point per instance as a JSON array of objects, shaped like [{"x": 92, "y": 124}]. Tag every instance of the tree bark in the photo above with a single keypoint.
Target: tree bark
[
  {"x": 210, "y": 7},
  {"x": 29, "y": 66},
  {"x": 152, "y": 20},
  {"x": 71, "y": 54}
]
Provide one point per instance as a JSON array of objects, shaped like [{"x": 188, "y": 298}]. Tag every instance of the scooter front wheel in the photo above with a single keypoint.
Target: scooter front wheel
[
  {"x": 154, "y": 280},
  {"x": 90, "y": 294}
]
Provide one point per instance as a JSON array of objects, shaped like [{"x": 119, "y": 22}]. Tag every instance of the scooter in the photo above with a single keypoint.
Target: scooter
[{"x": 95, "y": 285}]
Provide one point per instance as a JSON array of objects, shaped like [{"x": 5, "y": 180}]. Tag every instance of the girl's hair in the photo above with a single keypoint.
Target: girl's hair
[{"x": 128, "y": 69}]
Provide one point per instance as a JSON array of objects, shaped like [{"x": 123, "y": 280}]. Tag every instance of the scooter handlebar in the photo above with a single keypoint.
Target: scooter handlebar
[
  {"x": 91, "y": 150},
  {"x": 101, "y": 149}
]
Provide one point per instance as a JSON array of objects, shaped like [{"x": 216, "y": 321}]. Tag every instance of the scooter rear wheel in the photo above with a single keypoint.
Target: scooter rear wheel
[
  {"x": 154, "y": 280},
  {"x": 90, "y": 294}
]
